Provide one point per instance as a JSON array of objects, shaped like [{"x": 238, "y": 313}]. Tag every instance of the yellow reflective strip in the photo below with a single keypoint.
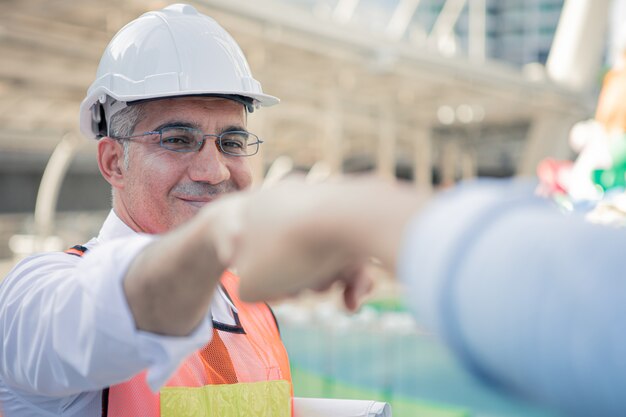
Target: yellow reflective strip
[{"x": 251, "y": 399}]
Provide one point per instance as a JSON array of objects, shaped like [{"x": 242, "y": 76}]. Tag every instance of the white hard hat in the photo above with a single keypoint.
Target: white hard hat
[{"x": 172, "y": 52}]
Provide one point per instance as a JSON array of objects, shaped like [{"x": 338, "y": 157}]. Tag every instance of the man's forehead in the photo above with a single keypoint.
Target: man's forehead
[
  {"x": 193, "y": 111},
  {"x": 210, "y": 103},
  {"x": 204, "y": 113}
]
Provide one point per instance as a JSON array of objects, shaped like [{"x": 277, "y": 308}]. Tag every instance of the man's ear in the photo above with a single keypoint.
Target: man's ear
[{"x": 111, "y": 161}]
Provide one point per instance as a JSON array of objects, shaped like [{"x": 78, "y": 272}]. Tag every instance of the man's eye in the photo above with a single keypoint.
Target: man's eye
[
  {"x": 233, "y": 144},
  {"x": 235, "y": 140},
  {"x": 177, "y": 140}
]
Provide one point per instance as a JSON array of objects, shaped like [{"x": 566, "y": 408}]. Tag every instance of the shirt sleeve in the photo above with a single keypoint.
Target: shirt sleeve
[
  {"x": 67, "y": 328},
  {"x": 530, "y": 298}
]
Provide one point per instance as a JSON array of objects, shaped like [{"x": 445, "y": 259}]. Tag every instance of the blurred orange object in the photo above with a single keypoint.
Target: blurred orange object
[{"x": 611, "y": 109}]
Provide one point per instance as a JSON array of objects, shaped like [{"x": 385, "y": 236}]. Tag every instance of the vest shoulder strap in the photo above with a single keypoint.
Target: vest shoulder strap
[{"x": 77, "y": 250}]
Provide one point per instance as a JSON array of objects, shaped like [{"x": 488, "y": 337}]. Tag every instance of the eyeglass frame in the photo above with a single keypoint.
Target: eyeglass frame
[{"x": 218, "y": 139}]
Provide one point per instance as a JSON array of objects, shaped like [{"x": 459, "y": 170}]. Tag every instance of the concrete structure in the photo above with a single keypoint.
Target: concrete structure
[{"x": 384, "y": 95}]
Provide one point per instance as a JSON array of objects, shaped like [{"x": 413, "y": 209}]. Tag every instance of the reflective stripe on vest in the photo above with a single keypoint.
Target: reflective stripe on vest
[
  {"x": 242, "y": 371},
  {"x": 267, "y": 398}
]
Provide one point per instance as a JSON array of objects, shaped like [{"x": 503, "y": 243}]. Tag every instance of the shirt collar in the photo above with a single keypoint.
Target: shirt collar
[{"x": 113, "y": 228}]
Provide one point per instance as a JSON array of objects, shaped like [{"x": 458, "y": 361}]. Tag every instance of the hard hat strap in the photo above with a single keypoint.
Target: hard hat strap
[{"x": 110, "y": 107}]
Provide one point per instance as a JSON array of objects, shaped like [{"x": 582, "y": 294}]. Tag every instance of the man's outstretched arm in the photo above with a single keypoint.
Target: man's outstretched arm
[{"x": 528, "y": 297}]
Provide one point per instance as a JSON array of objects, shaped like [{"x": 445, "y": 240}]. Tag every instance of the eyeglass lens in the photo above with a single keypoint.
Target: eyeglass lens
[{"x": 182, "y": 139}]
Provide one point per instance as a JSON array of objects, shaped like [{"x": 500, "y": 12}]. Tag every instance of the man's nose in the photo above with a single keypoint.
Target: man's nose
[{"x": 209, "y": 164}]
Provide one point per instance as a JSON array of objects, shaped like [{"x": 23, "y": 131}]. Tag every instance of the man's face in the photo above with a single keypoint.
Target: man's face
[{"x": 163, "y": 189}]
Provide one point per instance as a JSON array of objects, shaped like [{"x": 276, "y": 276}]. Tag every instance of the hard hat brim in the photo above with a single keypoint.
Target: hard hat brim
[{"x": 86, "y": 120}]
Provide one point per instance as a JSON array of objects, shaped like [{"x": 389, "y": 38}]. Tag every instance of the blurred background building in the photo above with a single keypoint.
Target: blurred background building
[{"x": 427, "y": 91}]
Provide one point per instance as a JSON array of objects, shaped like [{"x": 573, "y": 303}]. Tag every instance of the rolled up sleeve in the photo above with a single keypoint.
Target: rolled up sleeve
[{"x": 67, "y": 327}]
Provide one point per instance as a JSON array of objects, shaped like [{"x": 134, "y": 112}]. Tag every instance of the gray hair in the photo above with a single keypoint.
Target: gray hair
[{"x": 123, "y": 124}]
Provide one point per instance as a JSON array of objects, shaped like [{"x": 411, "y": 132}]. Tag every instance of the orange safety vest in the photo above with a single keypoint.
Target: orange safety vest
[{"x": 249, "y": 352}]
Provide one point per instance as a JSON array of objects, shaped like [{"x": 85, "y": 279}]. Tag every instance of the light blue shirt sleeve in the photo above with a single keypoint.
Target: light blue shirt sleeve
[{"x": 530, "y": 298}]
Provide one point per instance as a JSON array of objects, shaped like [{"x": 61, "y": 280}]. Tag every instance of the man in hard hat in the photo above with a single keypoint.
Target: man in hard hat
[{"x": 144, "y": 319}]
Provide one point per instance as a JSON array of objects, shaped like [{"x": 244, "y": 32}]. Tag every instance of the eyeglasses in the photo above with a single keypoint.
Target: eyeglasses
[{"x": 189, "y": 139}]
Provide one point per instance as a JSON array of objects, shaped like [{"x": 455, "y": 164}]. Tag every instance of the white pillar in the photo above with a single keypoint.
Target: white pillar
[
  {"x": 423, "y": 159},
  {"x": 447, "y": 19},
  {"x": 576, "y": 53},
  {"x": 333, "y": 132},
  {"x": 386, "y": 156},
  {"x": 574, "y": 62},
  {"x": 477, "y": 30},
  {"x": 449, "y": 163},
  {"x": 45, "y": 206},
  {"x": 469, "y": 168},
  {"x": 401, "y": 18},
  {"x": 344, "y": 10},
  {"x": 51, "y": 181}
]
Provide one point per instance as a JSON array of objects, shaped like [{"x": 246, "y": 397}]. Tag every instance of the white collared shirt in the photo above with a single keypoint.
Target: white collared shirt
[{"x": 68, "y": 331}]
